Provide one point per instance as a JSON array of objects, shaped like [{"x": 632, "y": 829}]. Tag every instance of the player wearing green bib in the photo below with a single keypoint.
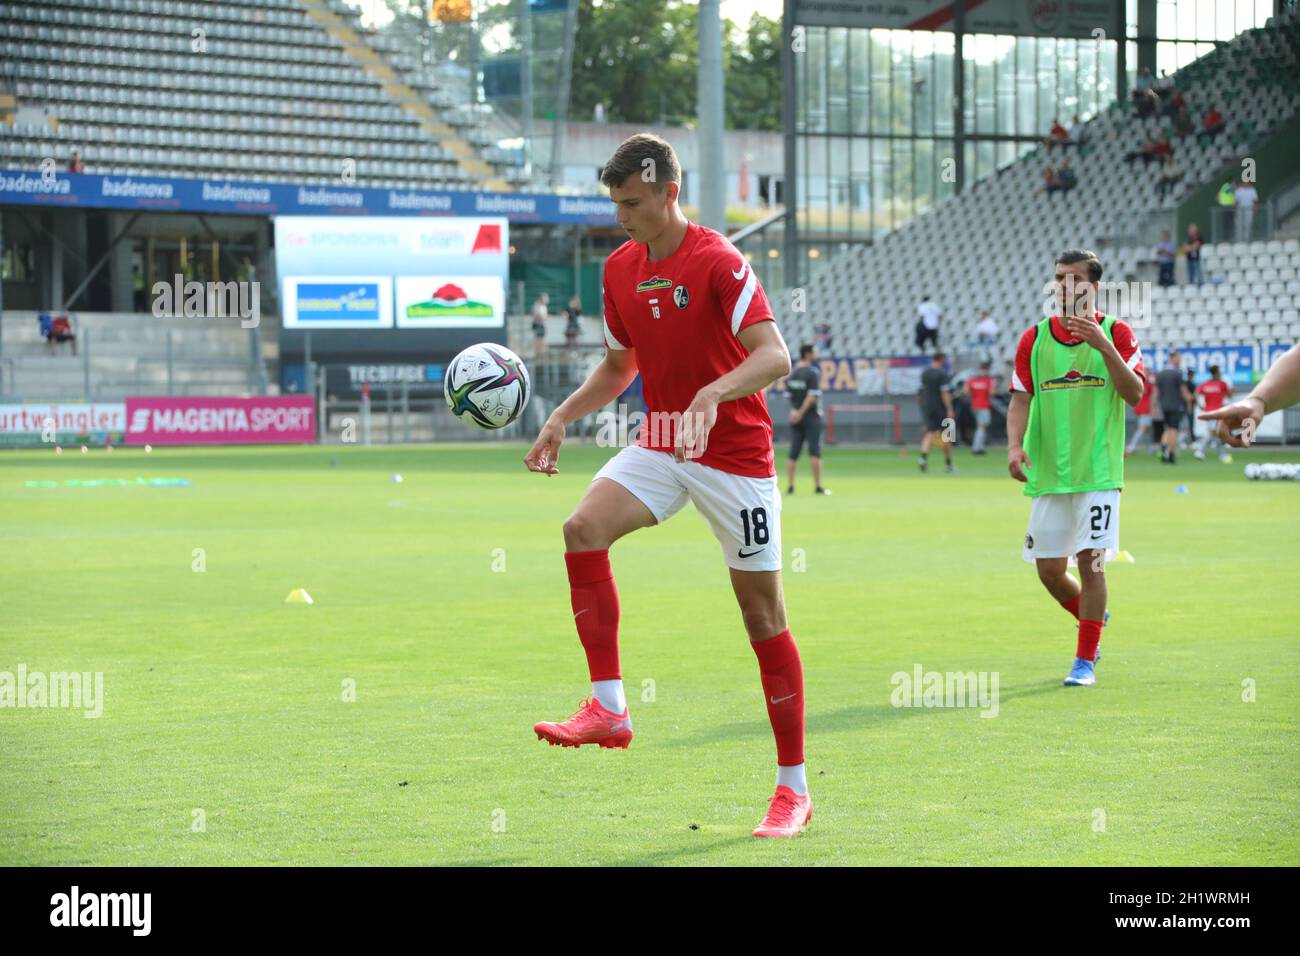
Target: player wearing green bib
[{"x": 1065, "y": 432}]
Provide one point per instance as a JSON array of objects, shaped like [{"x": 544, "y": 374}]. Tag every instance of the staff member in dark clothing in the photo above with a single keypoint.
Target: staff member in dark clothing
[
  {"x": 935, "y": 398},
  {"x": 1173, "y": 396},
  {"x": 804, "y": 388}
]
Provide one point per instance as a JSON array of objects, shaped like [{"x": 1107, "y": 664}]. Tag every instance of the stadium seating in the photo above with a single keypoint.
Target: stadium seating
[
  {"x": 992, "y": 246},
  {"x": 127, "y": 354},
  {"x": 281, "y": 91}
]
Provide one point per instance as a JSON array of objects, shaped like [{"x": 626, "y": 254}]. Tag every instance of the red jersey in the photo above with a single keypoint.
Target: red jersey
[
  {"x": 1143, "y": 406},
  {"x": 980, "y": 388},
  {"x": 683, "y": 314},
  {"x": 1215, "y": 392},
  {"x": 1126, "y": 343}
]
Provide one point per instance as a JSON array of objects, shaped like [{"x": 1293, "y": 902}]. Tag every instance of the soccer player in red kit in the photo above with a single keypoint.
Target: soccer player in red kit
[
  {"x": 683, "y": 307},
  {"x": 1212, "y": 394},
  {"x": 979, "y": 389}
]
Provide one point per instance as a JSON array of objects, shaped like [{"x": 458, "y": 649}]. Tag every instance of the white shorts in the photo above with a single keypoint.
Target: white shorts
[
  {"x": 744, "y": 513},
  {"x": 1060, "y": 526}
]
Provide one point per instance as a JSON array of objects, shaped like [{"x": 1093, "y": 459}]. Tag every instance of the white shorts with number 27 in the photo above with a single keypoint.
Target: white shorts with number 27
[{"x": 1060, "y": 526}]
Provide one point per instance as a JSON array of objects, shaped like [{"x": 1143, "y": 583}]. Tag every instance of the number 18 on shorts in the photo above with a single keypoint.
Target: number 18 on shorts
[{"x": 1061, "y": 526}]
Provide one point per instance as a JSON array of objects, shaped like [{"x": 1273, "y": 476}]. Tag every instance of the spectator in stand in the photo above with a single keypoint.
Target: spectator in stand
[
  {"x": 75, "y": 165},
  {"x": 1050, "y": 183},
  {"x": 1183, "y": 124},
  {"x": 57, "y": 327},
  {"x": 927, "y": 326},
  {"x": 979, "y": 390},
  {"x": 1065, "y": 177},
  {"x": 822, "y": 337},
  {"x": 1246, "y": 199},
  {"x": 1164, "y": 85},
  {"x": 1214, "y": 124},
  {"x": 1145, "y": 99},
  {"x": 1057, "y": 136},
  {"x": 1174, "y": 102},
  {"x": 1166, "y": 252},
  {"x": 1152, "y": 149},
  {"x": 1078, "y": 132},
  {"x": 986, "y": 331},
  {"x": 539, "y": 325},
  {"x": 1171, "y": 174},
  {"x": 573, "y": 327},
  {"x": 1192, "y": 248}
]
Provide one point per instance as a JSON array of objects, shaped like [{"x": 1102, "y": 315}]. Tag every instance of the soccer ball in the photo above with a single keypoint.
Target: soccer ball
[{"x": 487, "y": 385}]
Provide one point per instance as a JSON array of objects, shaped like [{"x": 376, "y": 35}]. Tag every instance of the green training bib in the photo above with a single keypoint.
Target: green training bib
[{"x": 1075, "y": 434}]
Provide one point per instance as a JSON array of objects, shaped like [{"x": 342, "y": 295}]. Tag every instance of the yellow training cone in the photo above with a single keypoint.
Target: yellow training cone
[
  {"x": 298, "y": 596},
  {"x": 1125, "y": 556}
]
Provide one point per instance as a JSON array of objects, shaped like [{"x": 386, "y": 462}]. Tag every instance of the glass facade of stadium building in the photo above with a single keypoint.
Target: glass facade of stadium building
[{"x": 884, "y": 123}]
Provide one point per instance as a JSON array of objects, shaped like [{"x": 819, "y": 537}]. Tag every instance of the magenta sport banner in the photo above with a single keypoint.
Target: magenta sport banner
[{"x": 176, "y": 420}]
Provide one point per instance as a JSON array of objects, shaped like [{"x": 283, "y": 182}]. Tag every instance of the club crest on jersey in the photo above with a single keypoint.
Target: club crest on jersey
[
  {"x": 650, "y": 285},
  {"x": 681, "y": 296},
  {"x": 1072, "y": 379}
]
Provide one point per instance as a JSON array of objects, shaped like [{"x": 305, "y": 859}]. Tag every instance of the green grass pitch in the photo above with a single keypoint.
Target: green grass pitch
[{"x": 226, "y": 739}]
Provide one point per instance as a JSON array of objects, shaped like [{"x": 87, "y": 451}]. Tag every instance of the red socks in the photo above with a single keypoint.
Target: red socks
[
  {"x": 782, "y": 675},
  {"x": 595, "y": 610},
  {"x": 1089, "y": 637},
  {"x": 1072, "y": 605}
]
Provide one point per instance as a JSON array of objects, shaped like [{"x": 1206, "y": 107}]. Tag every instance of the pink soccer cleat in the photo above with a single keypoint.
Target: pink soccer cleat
[
  {"x": 788, "y": 814},
  {"x": 591, "y": 723}
]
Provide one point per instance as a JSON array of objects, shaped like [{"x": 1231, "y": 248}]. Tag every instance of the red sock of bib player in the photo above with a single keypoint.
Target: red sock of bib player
[
  {"x": 1089, "y": 637},
  {"x": 595, "y": 610},
  {"x": 1072, "y": 605},
  {"x": 782, "y": 675}
]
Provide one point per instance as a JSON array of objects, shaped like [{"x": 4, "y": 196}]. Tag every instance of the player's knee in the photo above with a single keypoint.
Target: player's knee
[
  {"x": 763, "y": 619},
  {"x": 1049, "y": 574},
  {"x": 582, "y": 534}
]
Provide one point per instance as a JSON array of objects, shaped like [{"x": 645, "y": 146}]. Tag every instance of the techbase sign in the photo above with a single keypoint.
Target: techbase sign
[{"x": 266, "y": 419}]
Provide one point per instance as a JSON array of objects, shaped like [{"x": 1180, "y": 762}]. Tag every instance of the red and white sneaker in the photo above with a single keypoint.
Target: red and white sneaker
[
  {"x": 591, "y": 723},
  {"x": 788, "y": 814}
]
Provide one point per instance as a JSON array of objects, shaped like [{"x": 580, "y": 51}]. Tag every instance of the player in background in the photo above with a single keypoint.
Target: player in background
[
  {"x": 683, "y": 306},
  {"x": 1211, "y": 396},
  {"x": 804, "y": 389},
  {"x": 979, "y": 389},
  {"x": 1143, "y": 412},
  {"x": 1278, "y": 389},
  {"x": 1065, "y": 434},
  {"x": 1174, "y": 398},
  {"x": 935, "y": 399}
]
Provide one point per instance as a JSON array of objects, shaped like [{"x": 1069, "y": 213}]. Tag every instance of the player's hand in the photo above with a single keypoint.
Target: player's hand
[
  {"x": 545, "y": 453},
  {"x": 697, "y": 421},
  {"x": 1237, "y": 422},
  {"x": 1086, "y": 328},
  {"x": 1017, "y": 462},
  {"x": 795, "y": 418}
]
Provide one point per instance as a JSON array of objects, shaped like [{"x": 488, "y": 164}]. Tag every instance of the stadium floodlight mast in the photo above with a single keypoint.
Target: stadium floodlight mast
[{"x": 712, "y": 202}]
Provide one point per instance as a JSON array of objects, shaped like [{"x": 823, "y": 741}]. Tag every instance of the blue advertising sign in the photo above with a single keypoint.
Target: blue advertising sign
[{"x": 86, "y": 191}]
